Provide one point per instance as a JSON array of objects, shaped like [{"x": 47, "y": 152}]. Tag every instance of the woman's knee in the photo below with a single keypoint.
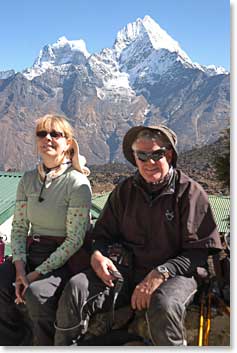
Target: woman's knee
[{"x": 41, "y": 297}]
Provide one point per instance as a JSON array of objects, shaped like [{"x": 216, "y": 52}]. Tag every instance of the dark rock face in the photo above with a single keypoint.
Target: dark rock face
[{"x": 103, "y": 95}]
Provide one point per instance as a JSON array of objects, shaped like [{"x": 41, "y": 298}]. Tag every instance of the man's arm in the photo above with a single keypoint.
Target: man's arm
[{"x": 187, "y": 262}]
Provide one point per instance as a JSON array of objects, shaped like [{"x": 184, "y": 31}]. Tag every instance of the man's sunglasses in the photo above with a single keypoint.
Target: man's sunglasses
[
  {"x": 54, "y": 134},
  {"x": 155, "y": 156}
]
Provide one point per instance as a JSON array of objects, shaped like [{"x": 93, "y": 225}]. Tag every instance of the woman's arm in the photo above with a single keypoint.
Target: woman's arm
[
  {"x": 20, "y": 228},
  {"x": 20, "y": 225},
  {"x": 19, "y": 232}
]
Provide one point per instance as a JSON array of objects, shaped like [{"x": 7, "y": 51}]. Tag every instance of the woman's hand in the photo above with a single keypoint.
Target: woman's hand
[
  {"x": 141, "y": 296},
  {"x": 102, "y": 265},
  {"x": 23, "y": 281},
  {"x": 21, "y": 284}
]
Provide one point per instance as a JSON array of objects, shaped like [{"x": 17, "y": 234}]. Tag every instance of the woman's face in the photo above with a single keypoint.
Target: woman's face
[{"x": 52, "y": 144}]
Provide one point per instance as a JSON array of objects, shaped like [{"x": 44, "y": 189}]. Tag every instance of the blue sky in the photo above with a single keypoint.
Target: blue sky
[{"x": 202, "y": 27}]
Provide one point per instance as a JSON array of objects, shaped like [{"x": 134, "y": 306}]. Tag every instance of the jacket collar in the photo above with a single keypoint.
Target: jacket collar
[{"x": 166, "y": 186}]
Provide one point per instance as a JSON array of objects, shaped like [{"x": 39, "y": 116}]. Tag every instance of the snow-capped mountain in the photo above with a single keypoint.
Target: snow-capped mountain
[
  {"x": 145, "y": 78},
  {"x": 159, "y": 52},
  {"x": 143, "y": 38},
  {"x": 6, "y": 74},
  {"x": 106, "y": 68},
  {"x": 60, "y": 53}
]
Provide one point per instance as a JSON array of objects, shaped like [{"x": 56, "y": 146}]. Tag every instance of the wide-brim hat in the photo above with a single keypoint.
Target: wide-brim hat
[{"x": 132, "y": 134}]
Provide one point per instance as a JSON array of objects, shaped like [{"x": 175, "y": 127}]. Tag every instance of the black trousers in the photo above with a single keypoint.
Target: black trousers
[{"x": 32, "y": 323}]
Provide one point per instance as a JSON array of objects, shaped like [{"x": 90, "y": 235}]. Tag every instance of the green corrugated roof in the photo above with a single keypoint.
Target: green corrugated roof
[
  {"x": 8, "y": 186},
  {"x": 220, "y": 206},
  {"x": 9, "y": 181},
  {"x": 98, "y": 203},
  {"x": 221, "y": 209}
]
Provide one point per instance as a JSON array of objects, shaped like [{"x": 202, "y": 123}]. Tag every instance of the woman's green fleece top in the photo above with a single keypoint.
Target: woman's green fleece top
[{"x": 65, "y": 212}]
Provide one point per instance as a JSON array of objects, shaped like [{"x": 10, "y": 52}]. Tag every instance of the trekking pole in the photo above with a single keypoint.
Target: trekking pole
[
  {"x": 201, "y": 319},
  {"x": 208, "y": 320}
]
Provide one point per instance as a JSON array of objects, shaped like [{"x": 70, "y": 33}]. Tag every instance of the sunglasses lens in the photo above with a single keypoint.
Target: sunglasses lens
[
  {"x": 53, "y": 134},
  {"x": 56, "y": 134},
  {"x": 142, "y": 156},
  {"x": 156, "y": 155},
  {"x": 41, "y": 134}
]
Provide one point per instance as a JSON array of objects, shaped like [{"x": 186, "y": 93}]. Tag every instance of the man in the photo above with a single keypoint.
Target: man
[{"x": 163, "y": 218}]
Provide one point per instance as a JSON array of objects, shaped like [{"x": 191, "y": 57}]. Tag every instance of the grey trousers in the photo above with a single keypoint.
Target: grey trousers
[{"x": 85, "y": 295}]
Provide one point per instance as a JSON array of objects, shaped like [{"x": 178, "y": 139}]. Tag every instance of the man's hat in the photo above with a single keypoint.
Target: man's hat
[{"x": 132, "y": 134}]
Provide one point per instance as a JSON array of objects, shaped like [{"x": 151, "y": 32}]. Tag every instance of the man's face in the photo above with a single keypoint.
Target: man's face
[{"x": 152, "y": 170}]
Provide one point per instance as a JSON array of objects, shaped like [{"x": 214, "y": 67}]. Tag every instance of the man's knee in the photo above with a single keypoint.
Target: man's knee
[
  {"x": 165, "y": 319},
  {"x": 77, "y": 285},
  {"x": 78, "y": 282},
  {"x": 164, "y": 306}
]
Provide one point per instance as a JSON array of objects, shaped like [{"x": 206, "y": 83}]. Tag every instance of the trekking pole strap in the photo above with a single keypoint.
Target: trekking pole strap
[{"x": 117, "y": 288}]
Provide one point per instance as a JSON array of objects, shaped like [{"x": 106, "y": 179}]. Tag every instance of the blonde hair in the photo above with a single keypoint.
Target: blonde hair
[{"x": 57, "y": 122}]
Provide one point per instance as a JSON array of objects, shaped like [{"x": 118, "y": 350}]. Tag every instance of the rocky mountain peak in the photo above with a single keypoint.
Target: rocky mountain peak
[
  {"x": 62, "y": 52},
  {"x": 6, "y": 74},
  {"x": 145, "y": 78},
  {"x": 147, "y": 30}
]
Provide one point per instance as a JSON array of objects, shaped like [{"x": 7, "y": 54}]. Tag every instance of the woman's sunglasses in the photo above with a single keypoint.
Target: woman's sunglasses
[
  {"x": 155, "y": 156},
  {"x": 54, "y": 134}
]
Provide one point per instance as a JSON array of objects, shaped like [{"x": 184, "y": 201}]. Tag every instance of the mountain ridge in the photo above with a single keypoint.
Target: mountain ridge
[
  {"x": 104, "y": 94},
  {"x": 158, "y": 37}
]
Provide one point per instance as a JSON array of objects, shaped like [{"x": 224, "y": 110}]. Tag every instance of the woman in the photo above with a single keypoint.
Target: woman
[{"x": 50, "y": 221}]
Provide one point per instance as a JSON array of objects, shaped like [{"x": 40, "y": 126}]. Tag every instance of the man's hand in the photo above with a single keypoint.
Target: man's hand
[
  {"x": 142, "y": 293},
  {"x": 102, "y": 265}
]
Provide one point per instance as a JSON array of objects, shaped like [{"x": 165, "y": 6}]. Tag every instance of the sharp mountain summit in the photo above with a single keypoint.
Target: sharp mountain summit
[{"x": 145, "y": 78}]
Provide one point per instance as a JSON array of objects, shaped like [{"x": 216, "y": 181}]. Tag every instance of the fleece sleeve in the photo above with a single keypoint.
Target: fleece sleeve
[{"x": 20, "y": 225}]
